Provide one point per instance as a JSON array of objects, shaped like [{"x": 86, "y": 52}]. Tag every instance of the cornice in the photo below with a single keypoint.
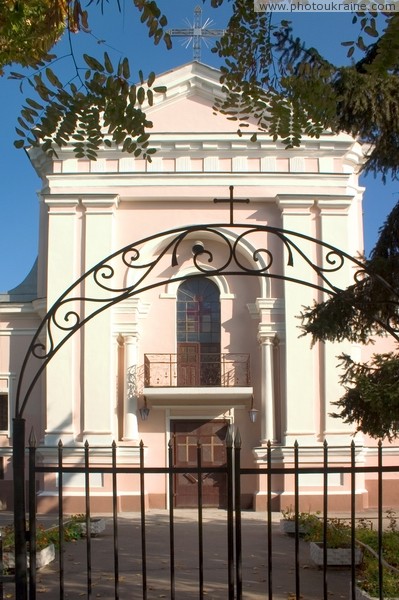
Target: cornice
[
  {"x": 17, "y": 308},
  {"x": 169, "y": 143}
]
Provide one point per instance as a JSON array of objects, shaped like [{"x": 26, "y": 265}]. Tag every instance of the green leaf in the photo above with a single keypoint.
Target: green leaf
[
  {"x": 27, "y": 115},
  {"x": 14, "y": 75},
  {"x": 125, "y": 68},
  {"x": 140, "y": 95},
  {"x": 19, "y": 143},
  {"x": 371, "y": 31},
  {"x": 53, "y": 79},
  {"x": 93, "y": 63},
  {"x": 151, "y": 79},
  {"x": 132, "y": 95},
  {"x": 34, "y": 104},
  {"x": 22, "y": 123},
  {"x": 108, "y": 64},
  {"x": 168, "y": 40}
]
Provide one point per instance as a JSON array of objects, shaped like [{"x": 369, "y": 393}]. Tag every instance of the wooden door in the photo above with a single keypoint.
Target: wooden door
[
  {"x": 211, "y": 435},
  {"x": 188, "y": 364}
]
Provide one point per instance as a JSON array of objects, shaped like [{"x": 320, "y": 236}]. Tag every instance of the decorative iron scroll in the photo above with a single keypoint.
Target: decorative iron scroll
[{"x": 245, "y": 250}]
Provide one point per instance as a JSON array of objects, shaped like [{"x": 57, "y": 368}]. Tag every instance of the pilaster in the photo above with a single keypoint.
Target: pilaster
[
  {"x": 98, "y": 385},
  {"x": 298, "y": 215},
  {"x": 62, "y": 269},
  {"x": 334, "y": 228}
]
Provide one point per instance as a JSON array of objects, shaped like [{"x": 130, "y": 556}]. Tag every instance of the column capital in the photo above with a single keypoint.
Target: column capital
[
  {"x": 337, "y": 205},
  {"x": 128, "y": 333},
  {"x": 66, "y": 203},
  {"x": 295, "y": 204},
  {"x": 270, "y": 312},
  {"x": 127, "y": 316},
  {"x": 103, "y": 203},
  {"x": 264, "y": 307},
  {"x": 269, "y": 338}
]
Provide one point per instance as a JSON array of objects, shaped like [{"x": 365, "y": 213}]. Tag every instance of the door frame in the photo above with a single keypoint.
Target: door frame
[{"x": 194, "y": 416}]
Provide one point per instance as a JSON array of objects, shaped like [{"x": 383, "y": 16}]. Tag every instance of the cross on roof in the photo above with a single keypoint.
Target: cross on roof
[
  {"x": 231, "y": 201},
  {"x": 196, "y": 32}
]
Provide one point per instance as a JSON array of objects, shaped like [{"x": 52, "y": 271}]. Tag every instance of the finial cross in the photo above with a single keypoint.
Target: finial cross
[
  {"x": 196, "y": 32},
  {"x": 231, "y": 201}
]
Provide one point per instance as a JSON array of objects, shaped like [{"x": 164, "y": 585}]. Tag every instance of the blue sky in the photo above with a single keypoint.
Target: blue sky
[{"x": 126, "y": 36}]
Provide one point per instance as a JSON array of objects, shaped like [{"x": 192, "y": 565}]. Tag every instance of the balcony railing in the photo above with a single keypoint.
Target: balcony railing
[{"x": 219, "y": 370}]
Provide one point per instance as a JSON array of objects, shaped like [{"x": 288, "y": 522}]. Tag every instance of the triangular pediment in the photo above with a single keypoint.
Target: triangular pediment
[{"x": 188, "y": 103}]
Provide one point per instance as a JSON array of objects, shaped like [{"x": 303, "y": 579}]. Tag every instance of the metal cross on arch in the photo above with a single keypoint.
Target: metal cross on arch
[{"x": 231, "y": 200}]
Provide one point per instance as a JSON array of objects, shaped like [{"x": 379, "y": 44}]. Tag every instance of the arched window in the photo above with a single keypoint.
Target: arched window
[{"x": 198, "y": 332}]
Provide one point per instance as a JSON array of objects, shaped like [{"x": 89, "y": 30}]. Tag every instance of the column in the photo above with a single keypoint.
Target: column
[
  {"x": 126, "y": 325},
  {"x": 268, "y": 431},
  {"x": 270, "y": 312},
  {"x": 130, "y": 396}
]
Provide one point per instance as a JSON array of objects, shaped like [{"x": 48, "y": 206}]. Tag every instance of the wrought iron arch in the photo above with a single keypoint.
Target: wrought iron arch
[{"x": 278, "y": 252}]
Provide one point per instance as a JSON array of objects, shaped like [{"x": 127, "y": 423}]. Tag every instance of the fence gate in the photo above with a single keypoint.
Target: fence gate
[{"x": 225, "y": 554}]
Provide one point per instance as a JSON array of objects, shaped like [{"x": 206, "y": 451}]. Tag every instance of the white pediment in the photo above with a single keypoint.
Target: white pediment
[{"x": 187, "y": 106}]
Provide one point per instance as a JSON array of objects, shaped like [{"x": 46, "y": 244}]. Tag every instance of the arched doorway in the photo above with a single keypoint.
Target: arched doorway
[{"x": 198, "y": 333}]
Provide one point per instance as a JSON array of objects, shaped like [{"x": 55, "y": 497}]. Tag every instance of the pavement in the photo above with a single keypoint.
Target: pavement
[{"x": 254, "y": 562}]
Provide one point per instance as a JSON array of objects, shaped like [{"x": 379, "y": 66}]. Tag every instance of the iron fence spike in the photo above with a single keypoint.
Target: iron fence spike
[
  {"x": 237, "y": 441},
  {"x": 32, "y": 438},
  {"x": 229, "y": 438}
]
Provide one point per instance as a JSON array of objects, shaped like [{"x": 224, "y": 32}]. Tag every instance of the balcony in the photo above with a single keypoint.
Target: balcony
[{"x": 205, "y": 370}]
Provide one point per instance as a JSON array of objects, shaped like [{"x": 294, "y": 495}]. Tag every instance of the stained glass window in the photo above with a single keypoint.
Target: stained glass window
[{"x": 198, "y": 311}]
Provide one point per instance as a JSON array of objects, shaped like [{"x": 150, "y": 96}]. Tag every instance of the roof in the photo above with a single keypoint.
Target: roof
[{"x": 25, "y": 291}]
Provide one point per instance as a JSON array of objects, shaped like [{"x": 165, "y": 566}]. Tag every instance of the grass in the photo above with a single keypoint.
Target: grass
[{"x": 368, "y": 574}]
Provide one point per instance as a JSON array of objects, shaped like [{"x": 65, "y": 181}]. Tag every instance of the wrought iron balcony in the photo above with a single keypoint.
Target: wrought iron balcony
[{"x": 219, "y": 370}]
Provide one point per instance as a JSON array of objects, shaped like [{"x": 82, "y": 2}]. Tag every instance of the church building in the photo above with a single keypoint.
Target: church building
[{"x": 211, "y": 338}]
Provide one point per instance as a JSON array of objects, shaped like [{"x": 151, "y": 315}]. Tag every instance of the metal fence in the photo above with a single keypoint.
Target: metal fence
[
  {"x": 234, "y": 588},
  {"x": 206, "y": 369}
]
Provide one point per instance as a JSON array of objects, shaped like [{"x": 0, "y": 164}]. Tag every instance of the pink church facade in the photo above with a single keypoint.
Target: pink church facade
[{"x": 197, "y": 352}]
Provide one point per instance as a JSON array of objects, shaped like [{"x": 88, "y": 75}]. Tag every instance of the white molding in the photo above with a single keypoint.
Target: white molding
[
  {"x": 185, "y": 397},
  {"x": 310, "y": 454}
]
